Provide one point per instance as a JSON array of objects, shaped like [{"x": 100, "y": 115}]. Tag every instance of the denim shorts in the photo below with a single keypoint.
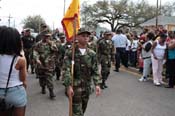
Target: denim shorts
[{"x": 16, "y": 96}]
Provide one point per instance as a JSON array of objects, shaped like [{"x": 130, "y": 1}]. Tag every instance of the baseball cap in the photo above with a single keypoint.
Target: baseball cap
[
  {"x": 43, "y": 25},
  {"x": 27, "y": 30},
  {"x": 107, "y": 33},
  {"x": 83, "y": 30},
  {"x": 47, "y": 34},
  {"x": 61, "y": 35}
]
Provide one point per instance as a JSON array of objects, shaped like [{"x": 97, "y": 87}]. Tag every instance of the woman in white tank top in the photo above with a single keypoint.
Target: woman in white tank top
[
  {"x": 10, "y": 46},
  {"x": 158, "y": 55}
]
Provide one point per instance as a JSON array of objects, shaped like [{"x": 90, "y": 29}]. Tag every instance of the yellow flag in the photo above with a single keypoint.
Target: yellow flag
[{"x": 72, "y": 13}]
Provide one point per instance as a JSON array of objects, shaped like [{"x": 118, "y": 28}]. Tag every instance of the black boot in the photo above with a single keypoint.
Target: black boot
[
  {"x": 102, "y": 86},
  {"x": 52, "y": 95},
  {"x": 58, "y": 75},
  {"x": 105, "y": 86},
  {"x": 43, "y": 91},
  {"x": 58, "y": 78},
  {"x": 32, "y": 71}
]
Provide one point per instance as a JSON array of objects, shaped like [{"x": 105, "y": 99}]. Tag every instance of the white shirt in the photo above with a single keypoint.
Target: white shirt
[
  {"x": 5, "y": 62},
  {"x": 159, "y": 50},
  {"x": 134, "y": 45},
  {"x": 128, "y": 45},
  {"x": 120, "y": 41},
  {"x": 82, "y": 51}
]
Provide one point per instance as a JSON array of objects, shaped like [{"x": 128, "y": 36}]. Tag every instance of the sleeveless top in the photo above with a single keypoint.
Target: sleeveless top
[
  {"x": 5, "y": 62},
  {"x": 159, "y": 50},
  {"x": 144, "y": 53}
]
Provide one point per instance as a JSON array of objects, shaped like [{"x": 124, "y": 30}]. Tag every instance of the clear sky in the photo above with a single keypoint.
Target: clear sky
[{"x": 50, "y": 10}]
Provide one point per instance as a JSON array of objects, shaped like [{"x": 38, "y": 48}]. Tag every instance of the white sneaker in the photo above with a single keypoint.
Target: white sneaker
[
  {"x": 142, "y": 79},
  {"x": 157, "y": 84}
]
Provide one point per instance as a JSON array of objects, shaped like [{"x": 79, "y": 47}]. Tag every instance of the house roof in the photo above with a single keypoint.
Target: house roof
[{"x": 162, "y": 20}]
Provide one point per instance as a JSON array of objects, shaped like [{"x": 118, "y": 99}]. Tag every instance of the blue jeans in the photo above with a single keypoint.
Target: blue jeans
[{"x": 16, "y": 96}]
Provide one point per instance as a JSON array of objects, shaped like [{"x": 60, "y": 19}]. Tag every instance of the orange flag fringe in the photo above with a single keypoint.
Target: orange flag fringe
[{"x": 72, "y": 13}]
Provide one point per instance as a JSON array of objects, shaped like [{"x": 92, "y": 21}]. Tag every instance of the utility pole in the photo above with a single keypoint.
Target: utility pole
[
  {"x": 9, "y": 20},
  {"x": 0, "y": 1},
  {"x": 0, "y": 8},
  {"x": 160, "y": 7},
  {"x": 64, "y": 7},
  {"x": 157, "y": 13}
]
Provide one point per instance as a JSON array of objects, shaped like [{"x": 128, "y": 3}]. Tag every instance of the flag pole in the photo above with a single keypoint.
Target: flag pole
[
  {"x": 73, "y": 62},
  {"x": 64, "y": 7}
]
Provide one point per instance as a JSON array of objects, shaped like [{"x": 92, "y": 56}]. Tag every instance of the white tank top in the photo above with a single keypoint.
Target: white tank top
[
  {"x": 5, "y": 62},
  {"x": 159, "y": 50}
]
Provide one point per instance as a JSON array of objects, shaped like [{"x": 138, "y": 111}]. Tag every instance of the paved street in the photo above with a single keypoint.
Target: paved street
[{"x": 125, "y": 96}]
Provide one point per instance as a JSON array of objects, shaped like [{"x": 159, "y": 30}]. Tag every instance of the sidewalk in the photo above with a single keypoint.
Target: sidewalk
[{"x": 135, "y": 71}]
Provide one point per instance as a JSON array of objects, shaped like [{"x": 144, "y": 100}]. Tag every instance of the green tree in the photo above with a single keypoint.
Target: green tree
[
  {"x": 111, "y": 13},
  {"x": 87, "y": 18},
  {"x": 140, "y": 12},
  {"x": 119, "y": 13},
  {"x": 33, "y": 22},
  {"x": 168, "y": 9}
]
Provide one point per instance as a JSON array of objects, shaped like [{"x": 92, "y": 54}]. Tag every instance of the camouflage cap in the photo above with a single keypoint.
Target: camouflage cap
[
  {"x": 107, "y": 33},
  {"x": 47, "y": 33},
  {"x": 43, "y": 25},
  {"x": 83, "y": 30},
  {"x": 62, "y": 35},
  {"x": 27, "y": 29}
]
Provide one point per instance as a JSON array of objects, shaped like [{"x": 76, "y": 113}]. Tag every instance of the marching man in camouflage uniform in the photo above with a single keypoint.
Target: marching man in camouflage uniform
[
  {"x": 85, "y": 69},
  {"x": 92, "y": 43},
  {"x": 57, "y": 58},
  {"x": 105, "y": 51},
  {"x": 44, "y": 54},
  {"x": 28, "y": 42}
]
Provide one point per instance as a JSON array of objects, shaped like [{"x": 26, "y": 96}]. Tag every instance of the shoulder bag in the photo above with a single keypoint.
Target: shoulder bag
[{"x": 3, "y": 105}]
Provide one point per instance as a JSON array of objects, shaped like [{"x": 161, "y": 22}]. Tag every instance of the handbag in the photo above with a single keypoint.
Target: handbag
[{"x": 3, "y": 105}]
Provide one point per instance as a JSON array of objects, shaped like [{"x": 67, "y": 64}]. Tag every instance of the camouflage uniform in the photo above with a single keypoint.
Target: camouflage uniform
[
  {"x": 44, "y": 30},
  {"x": 105, "y": 51},
  {"x": 62, "y": 49},
  {"x": 92, "y": 45},
  {"x": 58, "y": 59},
  {"x": 40, "y": 36},
  {"x": 45, "y": 53},
  {"x": 85, "y": 69},
  {"x": 62, "y": 46},
  {"x": 28, "y": 42}
]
